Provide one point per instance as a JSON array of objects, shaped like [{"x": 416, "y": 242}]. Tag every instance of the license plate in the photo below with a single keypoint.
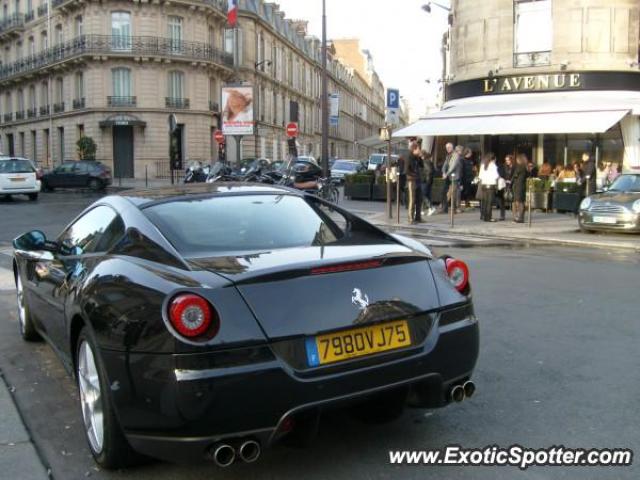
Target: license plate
[
  {"x": 18, "y": 179},
  {"x": 339, "y": 346},
  {"x": 609, "y": 220}
]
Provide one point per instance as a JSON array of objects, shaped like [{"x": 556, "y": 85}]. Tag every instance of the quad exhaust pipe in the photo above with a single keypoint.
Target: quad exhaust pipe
[
  {"x": 459, "y": 392},
  {"x": 224, "y": 454}
]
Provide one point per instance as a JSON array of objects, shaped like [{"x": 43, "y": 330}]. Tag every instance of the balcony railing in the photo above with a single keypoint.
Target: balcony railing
[
  {"x": 29, "y": 16},
  {"x": 14, "y": 22},
  {"x": 32, "y": 112},
  {"x": 118, "y": 46},
  {"x": 214, "y": 106},
  {"x": 44, "y": 110},
  {"x": 178, "y": 103},
  {"x": 121, "y": 101},
  {"x": 20, "y": 115},
  {"x": 531, "y": 59},
  {"x": 43, "y": 9},
  {"x": 8, "y": 117},
  {"x": 78, "y": 103},
  {"x": 58, "y": 107}
]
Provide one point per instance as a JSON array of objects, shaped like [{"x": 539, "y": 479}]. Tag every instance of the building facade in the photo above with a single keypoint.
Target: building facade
[
  {"x": 549, "y": 78},
  {"x": 116, "y": 70}
]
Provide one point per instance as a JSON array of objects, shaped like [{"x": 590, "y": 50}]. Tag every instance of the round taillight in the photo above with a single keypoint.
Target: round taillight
[
  {"x": 190, "y": 315},
  {"x": 458, "y": 273}
]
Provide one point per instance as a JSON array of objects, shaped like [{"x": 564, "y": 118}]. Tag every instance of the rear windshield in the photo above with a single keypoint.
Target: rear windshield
[
  {"x": 377, "y": 159},
  {"x": 247, "y": 223},
  {"x": 16, "y": 166},
  {"x": 344, "y": 166}
]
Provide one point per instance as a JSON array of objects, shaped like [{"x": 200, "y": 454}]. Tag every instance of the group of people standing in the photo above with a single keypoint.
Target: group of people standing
[{"x": 506, "y": 183}]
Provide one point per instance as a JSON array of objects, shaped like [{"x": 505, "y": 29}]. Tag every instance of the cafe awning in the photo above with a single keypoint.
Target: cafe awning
[
  {"x": 375, "y": 142},
  {"x": 576, "y": 112},
  {"x": 122, "y": 120}
]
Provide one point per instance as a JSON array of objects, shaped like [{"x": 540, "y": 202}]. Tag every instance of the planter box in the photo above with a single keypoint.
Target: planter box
[
  {"x": 358, "y": 191},
  {"x": 379, "y": 191},
  {"x": 566, "y": 202},
  {"x": 436, "y": 192},
  {"x": 541, "y": 201}
]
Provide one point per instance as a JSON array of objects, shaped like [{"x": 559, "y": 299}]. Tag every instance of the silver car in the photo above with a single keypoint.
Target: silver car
[
  {"x": 616, "y": 209},
  {"x": 341, "y": 168}
]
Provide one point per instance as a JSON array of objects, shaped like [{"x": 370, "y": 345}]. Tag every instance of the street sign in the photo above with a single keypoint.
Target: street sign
[
  {"x": 334, "y": 109},
  {"x": 292, "y": 130},
  {"x": 393, "y": 98},
  {"x": 173, "y": 123},
  {"x": 219, "y": 136}
]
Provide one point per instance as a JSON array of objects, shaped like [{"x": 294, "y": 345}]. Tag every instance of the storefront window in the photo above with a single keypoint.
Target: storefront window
[
  {"x": 553, "y": 151},
  {"x": 577, "y": 144},
  {"x": 611, "y": 147}
]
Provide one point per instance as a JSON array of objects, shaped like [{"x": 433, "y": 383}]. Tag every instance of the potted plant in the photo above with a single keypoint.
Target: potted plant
[
  {"x": 358, "y": 186},
  {"x": 541, "y": 197},
  {"x": 86, "y": 148},
  {"x": 567, "y": 197},
  {"x": 379, "y": 188}
]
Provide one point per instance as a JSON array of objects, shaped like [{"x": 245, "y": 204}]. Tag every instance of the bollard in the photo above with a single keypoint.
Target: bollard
[
  {"x": 529, "y": 202},
  {"x": 398, "y": 197},
  {"x": 453, "y": 193},
  {"x": 588, "y": 192}
]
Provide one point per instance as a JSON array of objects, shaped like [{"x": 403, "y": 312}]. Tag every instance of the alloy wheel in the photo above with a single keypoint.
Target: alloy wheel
[{"x": 90, "y": 397}]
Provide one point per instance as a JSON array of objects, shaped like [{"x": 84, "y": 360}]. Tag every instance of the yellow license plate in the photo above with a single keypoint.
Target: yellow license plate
[{"x": 339, "y": 346}]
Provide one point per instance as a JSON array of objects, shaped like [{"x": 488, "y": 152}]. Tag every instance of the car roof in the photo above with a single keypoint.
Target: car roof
[{"x": 146, "y": 197}]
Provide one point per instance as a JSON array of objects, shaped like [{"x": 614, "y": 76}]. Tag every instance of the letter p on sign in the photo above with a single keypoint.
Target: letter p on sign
[{"x": 393, "y": 98}]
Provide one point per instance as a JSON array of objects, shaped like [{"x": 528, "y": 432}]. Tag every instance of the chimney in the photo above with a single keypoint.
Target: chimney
[{"x": 300, "y": 27}]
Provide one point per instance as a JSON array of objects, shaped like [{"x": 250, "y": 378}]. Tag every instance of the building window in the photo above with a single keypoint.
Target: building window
[
  {"x": 79, "y": 86},
  {"x": 175, "y": 33},
  {"x": 44, "y": 40},
  {"x": 59, "y": 35},
  {"x": 80, "y": 131},
  {"x": 59, "y": 90},
  {"x": 121, "y": 30},
  {"x": 32, "y": 98},
  {"x": 44, "y": 95},
  {"x": 19, "y": 52},
  {"x": 533, "y": 33},
  {"x": 121, "y": 83},
  {"x": 20, "y": 101},
  {"x": 23, "y": 151},
  {"x": 32, "y": 46},
  {"x": 34, "y": 146},
  {"x": 176, "y": 85},
  {"x": 78, "y": 26}
]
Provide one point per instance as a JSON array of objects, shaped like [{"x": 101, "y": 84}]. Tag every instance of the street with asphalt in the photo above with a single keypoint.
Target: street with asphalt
[{"x": 558, "y": 362}]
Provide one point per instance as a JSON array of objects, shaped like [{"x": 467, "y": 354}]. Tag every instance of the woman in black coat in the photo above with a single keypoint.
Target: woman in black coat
[{"x": 519, "y": 186}]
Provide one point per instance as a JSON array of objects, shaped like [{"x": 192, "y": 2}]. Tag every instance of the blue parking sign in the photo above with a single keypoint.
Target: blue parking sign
[{"x": 393, "y": 98}]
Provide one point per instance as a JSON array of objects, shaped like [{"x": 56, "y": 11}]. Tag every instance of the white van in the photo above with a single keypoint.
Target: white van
[{"x": 376, "y": 159}]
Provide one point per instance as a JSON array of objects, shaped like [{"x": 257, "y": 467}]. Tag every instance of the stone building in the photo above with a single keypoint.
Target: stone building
[
  {"x": 549, "y": 78},
  {"x": 115, "y": 70}
]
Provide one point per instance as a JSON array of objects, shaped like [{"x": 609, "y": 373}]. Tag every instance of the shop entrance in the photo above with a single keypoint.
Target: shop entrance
[
  {"x": 123, "y": 151},
  {"x": 503, "y": 145}
]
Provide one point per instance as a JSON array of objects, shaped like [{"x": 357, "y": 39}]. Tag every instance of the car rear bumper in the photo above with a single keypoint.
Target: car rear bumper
[
  {"x": 179, "y": 413},
  {"x": 20, "y": 190},
  {"x": 624, "y": 222}
]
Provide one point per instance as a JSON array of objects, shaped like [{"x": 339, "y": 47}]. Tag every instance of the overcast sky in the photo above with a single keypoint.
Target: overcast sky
[{"x": 403, "y": 39}]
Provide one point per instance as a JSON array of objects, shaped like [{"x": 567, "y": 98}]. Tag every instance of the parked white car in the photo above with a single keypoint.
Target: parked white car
[
  {"x": 376, "y": 159},
  {"x": 19, "y": 176}
]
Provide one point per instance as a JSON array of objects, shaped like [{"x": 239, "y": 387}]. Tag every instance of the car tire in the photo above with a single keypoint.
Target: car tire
[
  {"x": 106, "y": 441},
  {"x": 95, "y": 185},
  {"x": 383, "y": 407},
  {"x": 33, "y": 197},
  {"x": 28, "y": 331}
]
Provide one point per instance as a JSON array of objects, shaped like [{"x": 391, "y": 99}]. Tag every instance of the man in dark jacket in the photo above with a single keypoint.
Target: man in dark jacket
[
  {"x": 589, "y": 174},
  {"x": 427, "y": 178},
  {"x": 414, "y": 189}
]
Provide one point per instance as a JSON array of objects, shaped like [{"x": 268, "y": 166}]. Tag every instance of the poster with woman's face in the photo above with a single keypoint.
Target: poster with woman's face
[{"x": 237, "y": 114}]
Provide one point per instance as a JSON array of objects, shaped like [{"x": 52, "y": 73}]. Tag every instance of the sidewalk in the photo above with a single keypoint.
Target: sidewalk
[
  {"x": 546, "y": 228},
  {"x": 18, "y": 456}
]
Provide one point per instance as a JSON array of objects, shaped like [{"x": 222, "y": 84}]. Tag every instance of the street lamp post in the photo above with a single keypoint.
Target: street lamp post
[{"x": 325, "y": 93}]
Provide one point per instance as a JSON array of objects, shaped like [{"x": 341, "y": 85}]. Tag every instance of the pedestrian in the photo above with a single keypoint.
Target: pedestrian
[
  {"x": 427, "y": 180},
  {"x": 532, "y": 169},
  {"x": 452, "y": 175},
  {"x": 503, "y": 193},
  {"x": 489, "y": 181},
  {"x": 545, "y": 170},
  {"x": 414, "y": 194},
  {"x": 468, "y": 175},
  {"x": 577, "y": 171},
  {"x": 444, "y": 205},
  {"x": 613, "y": 173},
  {"x": 590, "y": 174},
  {"x": 519, "y": 186}
]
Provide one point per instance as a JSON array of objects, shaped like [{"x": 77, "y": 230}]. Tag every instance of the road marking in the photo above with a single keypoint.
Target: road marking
[{"x": 7, "y": 281}]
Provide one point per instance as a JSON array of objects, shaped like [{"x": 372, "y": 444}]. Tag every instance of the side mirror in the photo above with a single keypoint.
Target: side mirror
[{"x": 31, "y": 241}]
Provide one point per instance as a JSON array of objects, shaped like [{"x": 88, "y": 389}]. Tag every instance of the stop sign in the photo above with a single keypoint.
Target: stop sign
[
  {"x": 219, "y": 136},
  {"x": 292, "y": 130}
]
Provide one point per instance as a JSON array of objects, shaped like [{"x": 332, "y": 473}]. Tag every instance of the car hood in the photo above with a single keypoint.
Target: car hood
[
  {"x": 616, "y": 197},
  {"x": 290, "y": 298}
]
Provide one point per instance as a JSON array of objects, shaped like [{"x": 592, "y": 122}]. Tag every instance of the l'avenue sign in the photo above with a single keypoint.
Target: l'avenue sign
[
  {"x": 544, "y": 82},
  {"x": 559, "y": 81}
]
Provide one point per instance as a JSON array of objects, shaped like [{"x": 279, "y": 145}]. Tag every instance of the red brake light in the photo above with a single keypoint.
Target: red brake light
[
  {"x": 191, "y": 315},
  {"x": 458, "y": 273},
  {"x": 346, "y": 267}
]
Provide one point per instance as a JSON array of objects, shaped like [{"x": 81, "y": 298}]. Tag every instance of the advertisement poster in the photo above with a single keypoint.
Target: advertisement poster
[
  {"x": 334, "y": 109},
  {"x": 237, "y": 113}
]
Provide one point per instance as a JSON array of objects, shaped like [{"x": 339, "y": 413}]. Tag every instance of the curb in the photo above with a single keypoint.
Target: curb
[{"x": 537, "y": 241}]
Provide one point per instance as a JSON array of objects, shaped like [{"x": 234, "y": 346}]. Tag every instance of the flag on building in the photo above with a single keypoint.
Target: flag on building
[{"x": 232, "y": 13}]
